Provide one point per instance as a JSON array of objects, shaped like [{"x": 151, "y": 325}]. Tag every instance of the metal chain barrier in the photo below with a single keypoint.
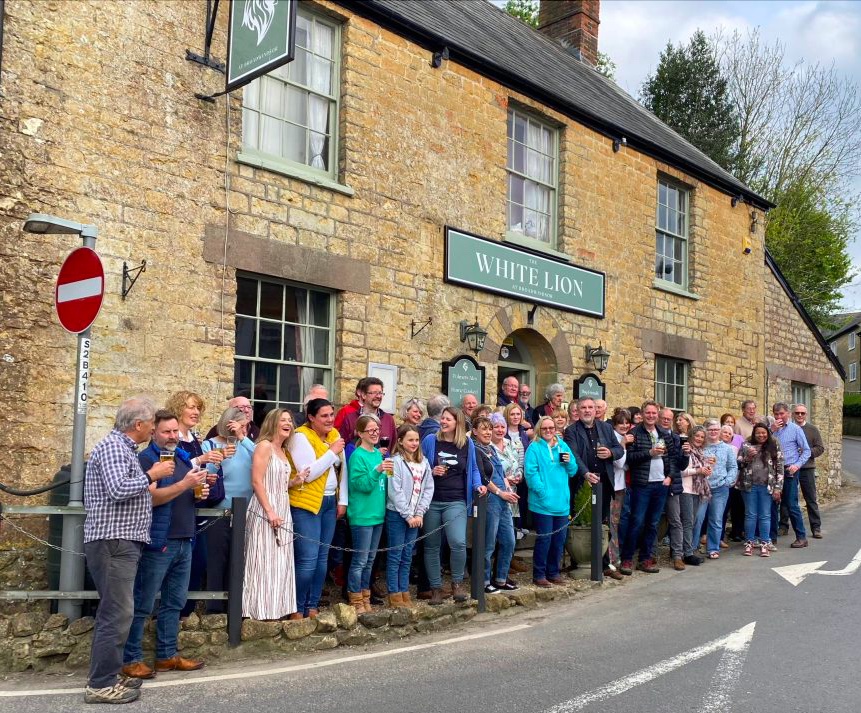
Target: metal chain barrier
[
  {"x": 400, "y": 547},
  {"x": 213, "y": 520},
  {"x": 36, "y": 538}
]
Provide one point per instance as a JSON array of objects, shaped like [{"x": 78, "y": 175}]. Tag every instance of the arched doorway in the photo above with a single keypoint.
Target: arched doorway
[{"x": 528, "y": 356}]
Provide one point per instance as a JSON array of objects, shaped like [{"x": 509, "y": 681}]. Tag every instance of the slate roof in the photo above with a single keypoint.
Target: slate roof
[
  {"x": 486, "y": 39},
  {"x": 849, "y": 321}
]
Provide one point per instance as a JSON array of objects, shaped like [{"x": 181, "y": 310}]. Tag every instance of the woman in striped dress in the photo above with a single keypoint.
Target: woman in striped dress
[{"x": 270, "y": 583}]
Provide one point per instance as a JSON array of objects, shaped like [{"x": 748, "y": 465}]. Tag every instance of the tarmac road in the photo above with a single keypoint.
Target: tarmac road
[{"x": 803, "y": 654}]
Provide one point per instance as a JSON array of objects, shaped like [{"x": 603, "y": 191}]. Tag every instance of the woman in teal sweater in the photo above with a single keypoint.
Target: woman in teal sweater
[
  {"x": 366, "y": 509},
  {"x": 548, "y": 465}
]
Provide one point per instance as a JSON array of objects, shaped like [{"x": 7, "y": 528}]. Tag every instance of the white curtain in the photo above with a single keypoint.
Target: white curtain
[
  {"x": 305, "y": 342},
  {"x": 320, "y": 81},
  {"x": 539, "y": 168}
]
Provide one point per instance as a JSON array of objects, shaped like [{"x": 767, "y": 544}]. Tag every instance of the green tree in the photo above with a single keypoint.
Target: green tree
[
  {"x": 808, "y": 236},
  {"x": 689, "y": 94},
  {"x": 524, "y": 10},
  {"x": 606, "y": 66}
]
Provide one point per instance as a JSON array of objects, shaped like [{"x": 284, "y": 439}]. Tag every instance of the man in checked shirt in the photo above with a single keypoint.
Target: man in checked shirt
[{"x": 119, "y": 510}]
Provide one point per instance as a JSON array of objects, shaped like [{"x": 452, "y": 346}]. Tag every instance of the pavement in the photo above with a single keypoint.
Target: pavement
[
  {"x": 732, "y": 635},
  {"x": 852, "y": 462}
]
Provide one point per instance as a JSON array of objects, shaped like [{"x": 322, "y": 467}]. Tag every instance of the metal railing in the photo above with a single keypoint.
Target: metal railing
[{"x": 236, "y": 573}]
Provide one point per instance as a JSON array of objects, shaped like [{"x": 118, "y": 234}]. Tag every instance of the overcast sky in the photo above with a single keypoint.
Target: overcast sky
[{"x": 633, "y": 33}]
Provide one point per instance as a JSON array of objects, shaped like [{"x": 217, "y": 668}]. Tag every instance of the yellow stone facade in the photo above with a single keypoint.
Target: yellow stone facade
[{"x": 100, "y": 124}]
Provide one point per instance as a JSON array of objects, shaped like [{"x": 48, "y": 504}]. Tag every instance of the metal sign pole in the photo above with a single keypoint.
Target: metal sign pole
[{"x": 72, "y": 565}]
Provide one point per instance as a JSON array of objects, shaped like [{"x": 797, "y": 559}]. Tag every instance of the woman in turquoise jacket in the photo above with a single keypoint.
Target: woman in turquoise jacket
[{"x": 548, "y": 465}]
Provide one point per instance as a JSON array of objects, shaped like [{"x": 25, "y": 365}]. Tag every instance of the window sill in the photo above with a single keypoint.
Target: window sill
[
  {"x": 534, "y": 245},
  {"x": 665, "y": 286},
  {"x": 286, "y": 169}
]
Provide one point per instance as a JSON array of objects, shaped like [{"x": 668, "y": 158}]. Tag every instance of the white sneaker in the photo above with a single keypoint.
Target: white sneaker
[{"x": 112, "y": 694}]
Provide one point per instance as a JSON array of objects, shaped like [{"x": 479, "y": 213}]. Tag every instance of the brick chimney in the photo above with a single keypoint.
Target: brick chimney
[{"x": 574, "y": 23}]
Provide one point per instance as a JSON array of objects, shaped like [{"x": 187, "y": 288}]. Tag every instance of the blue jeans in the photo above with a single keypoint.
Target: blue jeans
[
  {"x": 717, "y": 506},
  {"x": 624, "y": 519},
  {"x": 500, "y": 526},
  {"x": 167, "y": 572},
  {"x": 453, "y": 516},
  {"x": 402, "y": 538},
  {"x": 789, "y": 496},
  {"x": 757, "y": 512},
  {"x": 647, "y": 506},
  {"x": 547, "y": 553},
  {"x": 366, "y": 539},
  {"x": 311, "y": 551}
]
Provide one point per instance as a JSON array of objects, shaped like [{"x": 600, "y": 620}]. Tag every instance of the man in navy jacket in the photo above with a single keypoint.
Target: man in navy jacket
[
  {"x": 653, "y": 461},
  {"x": 596, "y": 446},
  {"x": 165, "y": 563}
]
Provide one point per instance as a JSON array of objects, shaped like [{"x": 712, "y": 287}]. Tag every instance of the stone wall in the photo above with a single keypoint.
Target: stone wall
[
  {"x": 791, "y": 358},
  {"x": 101, "y": 124},
  {"x": 36, "y": 641}
]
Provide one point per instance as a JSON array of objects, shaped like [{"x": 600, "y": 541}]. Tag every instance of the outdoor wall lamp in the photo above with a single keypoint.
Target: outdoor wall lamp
[
  {"x": 735, "y": 200},
  {"x": 619, "y": 143},
  {"x": 473, "y": 335},
  {"x": 598, "y": 356},
  {"x": 754, "y": 221}
]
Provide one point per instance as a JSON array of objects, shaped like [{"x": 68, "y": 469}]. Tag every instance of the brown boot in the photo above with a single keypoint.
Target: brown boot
[
  {"x": 518, "y": 565},
  {"x": 357, "y": 601},
  {"x": 436, "y": 597},
  {"x": 366, "y": 597},
  {"x": 395, "y": 601},
  {"x": 405, "y": 598},
  {"x": 458, "y": 592}
]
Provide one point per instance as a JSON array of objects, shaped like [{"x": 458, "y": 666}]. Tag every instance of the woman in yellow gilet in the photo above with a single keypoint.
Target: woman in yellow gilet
[{"x": 316, "y": 503}]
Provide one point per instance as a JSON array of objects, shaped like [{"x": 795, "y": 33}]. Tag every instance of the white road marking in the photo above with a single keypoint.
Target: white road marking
[
  {"x": 187, "y": 680},
  {"x": 735, "y": 646},
  {"x": 796, "y": 573},
  {"x": 91, "y": 287}
]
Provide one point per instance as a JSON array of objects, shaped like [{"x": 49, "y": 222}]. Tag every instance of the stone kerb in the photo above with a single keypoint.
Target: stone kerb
[{"x": 39, "y": 642}]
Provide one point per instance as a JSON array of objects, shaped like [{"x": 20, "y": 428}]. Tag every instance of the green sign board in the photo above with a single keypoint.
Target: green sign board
[
  {"x": 589, "y": 386},
  {"x": 461, "y": 376},
  {"x": 261, "y": 37},
  {"x": 522, "y": 274}
]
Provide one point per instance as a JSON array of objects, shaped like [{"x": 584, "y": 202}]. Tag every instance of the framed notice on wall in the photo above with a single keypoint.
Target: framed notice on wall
[{"x": 388, "y": 374}]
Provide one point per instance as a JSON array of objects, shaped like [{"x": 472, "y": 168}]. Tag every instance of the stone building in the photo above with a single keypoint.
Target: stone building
[
  {"x": 844, "y": 344},
  {"x": 298, "y": 230}
]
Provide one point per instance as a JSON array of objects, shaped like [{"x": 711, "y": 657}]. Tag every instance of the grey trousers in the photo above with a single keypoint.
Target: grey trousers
[
  {"x": 113, "y": 565},
  {"x": 680, "y": 518}
]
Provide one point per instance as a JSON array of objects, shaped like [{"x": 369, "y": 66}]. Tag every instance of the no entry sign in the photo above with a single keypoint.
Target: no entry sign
[{"x": 80, "y": 290}]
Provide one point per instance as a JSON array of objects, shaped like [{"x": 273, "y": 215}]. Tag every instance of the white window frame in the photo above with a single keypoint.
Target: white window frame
[
  {"x": 851, "y": 340},
  {"x": 252, "y": 111},
  {"x": 662, "y": 363},
  {"x": 664, "y": 235},
  {"x": 327, "y": 367},
  {"x": 515, "y": 112},
  {"x": 803, "y": 394},
  {"x": 853, "y": 371}
]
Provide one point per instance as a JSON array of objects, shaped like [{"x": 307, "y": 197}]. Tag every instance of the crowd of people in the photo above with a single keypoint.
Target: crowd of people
[{"x": 348, "y": 493}]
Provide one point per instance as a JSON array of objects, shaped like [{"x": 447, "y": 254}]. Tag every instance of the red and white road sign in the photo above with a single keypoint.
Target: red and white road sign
[{"x": 80, "y": 290}]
